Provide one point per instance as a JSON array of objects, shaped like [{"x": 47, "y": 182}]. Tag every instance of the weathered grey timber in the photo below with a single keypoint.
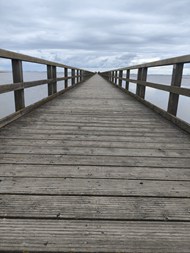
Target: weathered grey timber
[
  {"x": 174, "y": 89},
  {"x": 18, "y": 85},
  {"x": 94, "y": 170}
]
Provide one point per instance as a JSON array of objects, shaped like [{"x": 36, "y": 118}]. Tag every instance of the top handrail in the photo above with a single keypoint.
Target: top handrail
[
  {"x": 22, "y": 57},
  {"x": 160, "y": 63}
]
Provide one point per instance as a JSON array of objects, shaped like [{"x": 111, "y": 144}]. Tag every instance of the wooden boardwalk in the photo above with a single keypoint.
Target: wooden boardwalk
[{"x": 94, "y": 171}]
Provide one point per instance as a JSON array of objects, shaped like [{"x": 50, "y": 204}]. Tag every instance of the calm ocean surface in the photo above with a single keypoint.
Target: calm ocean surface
[{"x": 32, "y": 95}]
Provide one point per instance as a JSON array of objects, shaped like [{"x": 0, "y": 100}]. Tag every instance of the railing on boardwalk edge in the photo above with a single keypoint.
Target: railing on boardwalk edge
[
  {"x": 116, "y": 77},
  {"x": 18, "y": 85}
]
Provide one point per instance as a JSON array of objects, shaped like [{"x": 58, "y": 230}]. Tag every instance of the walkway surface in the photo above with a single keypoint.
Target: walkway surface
[{"x": 94, "y": 171}]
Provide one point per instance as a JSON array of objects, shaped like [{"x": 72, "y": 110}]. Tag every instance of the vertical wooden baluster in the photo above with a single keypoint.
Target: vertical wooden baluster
[
  {"x": 78, "y": 80},
  {"x": 54, "y": 76},
  {"x": 17, "y": 73},
  {"x": 73, "y": 77},
  {"x": 115, "y": 77},
  {"x": 108, "y": 76},
  {"x": 139, "y": 74},
  {"x": 143, "y": 78},
  {"x": 49, "y": 76},
  {"x": 120, "y": 76},
  {"x": 112, "y": 74},
  {"x": 127, "y": 82},
  {"x": 66, "y": 76},
  {"x": 80, "y": 75},
  {"x": 176, "y": 81}
]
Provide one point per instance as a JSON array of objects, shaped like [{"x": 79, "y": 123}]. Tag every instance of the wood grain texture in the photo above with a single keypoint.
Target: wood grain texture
[
  {"x": 93, "y": 170},
  {"x": 94, "y": 236},
  {"x": 94, "y": 208},
  {"x": 80, "y": 186},
  {"x": 61, "y": 171}
]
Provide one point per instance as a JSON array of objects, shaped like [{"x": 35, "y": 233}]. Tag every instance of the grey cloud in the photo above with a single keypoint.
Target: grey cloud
[{"x": 103, "y": 33}]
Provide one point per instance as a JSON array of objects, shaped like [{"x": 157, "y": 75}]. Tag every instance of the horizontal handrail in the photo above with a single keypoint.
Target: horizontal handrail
[
  {"x": 26, "y": 58},
  {"x": 116, "y": 77},
  {"x": 165, "y": 62},
  {"x": 18, "y": 86},
  {"x": 24, "y": 85},
  {"x": 173, "y": 89}
]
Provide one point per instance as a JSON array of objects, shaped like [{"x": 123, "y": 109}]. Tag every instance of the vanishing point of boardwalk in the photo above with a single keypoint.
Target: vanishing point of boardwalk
[{"x": 94, "y": 170}]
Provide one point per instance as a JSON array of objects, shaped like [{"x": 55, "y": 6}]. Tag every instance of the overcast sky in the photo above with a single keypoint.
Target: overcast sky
[{"x": 96, "y": 33}]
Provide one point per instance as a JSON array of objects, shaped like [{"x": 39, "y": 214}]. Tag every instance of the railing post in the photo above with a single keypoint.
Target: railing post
[
  {"x": 115, "y": 78},
  {"x": 127, "y": 82},
  {"x": 17, "y": 72},
  {"x": 80, "y": 75},
  {"x": 143, "y": 78},
  {"x": 49, "y": 76},
  {"x": 139, "y": 74},
  {"x": 112, "y": 76},
  {"x": 176, "y": 81},
  {"x": 78, "y": 80},
  {"x": 120, "y": 76},
  {"x": 54, "y": 76},
  {"x": 142, "y": 75},
  {"x": 66, "y": 76},
  {"x": 73, "y": 77}
]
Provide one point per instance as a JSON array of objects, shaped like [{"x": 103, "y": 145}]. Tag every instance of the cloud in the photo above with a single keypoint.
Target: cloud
[{"x": 88, "y": 33}]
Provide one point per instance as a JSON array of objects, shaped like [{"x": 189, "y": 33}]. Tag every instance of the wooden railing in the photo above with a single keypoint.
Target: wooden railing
[
  {"x": 116, "y": 77},
  {"x": 18, "y": 86}
]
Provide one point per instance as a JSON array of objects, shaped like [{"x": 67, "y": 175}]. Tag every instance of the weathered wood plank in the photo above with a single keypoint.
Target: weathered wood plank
[
  {"x": 62, "y": 133},
  {"x": 94, "y": 187},
  {"x": 94, "y": 160},
  {"x": 160, "y": 173},
  {"x": 136, "y": 144},
  {"x": 124, "y": 129},
  {"x": 117, "y": 152},
  {"x": 104, "y": 172},
  {"x": 90, "y": 207},
  {"x": 96, "y": 137},
  {"x": 94, "y": 236}
]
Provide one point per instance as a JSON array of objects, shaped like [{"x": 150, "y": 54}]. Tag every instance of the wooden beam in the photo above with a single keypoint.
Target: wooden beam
[
  {"x": 81, "y": 75},
  {"x": 17, "y": 78},
  {"x": 49, "y": 76},
  {"x": 139, "y": 76},
  {"x": 78, "y": 80},
  {"x": 143, "y": 78},
  {"x": 15, "y": 56},
  {"x": 120, "y": 76},
  {"x": 112, "y": 76},
  {"x": 73, "y": 78},
  {"x": 176, "y": 81},
  {"x": 25, "y": 85},
  {"x": 170, "y": 61},
  {"x": 115, "y": 78},
  {"x": 127, "y": 82},
  {"x": 54, "y": 76},
  {"x": 173, "y": 89},
  {"x": 66, "y": 75}
]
